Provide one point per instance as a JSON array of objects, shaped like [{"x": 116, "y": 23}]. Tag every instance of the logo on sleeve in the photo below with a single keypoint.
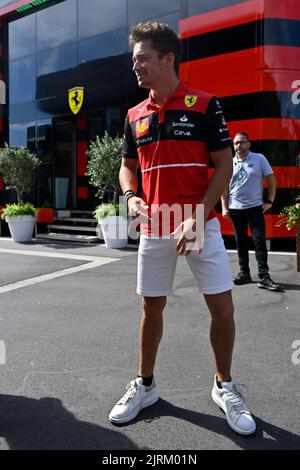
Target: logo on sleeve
[
  {"x": 142, "y": 128},
  {"x": 190, "y": 100}
]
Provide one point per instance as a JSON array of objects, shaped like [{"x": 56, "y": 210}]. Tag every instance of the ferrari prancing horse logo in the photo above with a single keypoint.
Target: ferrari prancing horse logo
[
  {"x": 190, "y": 100},
  {"x": 76, "y": 95}
]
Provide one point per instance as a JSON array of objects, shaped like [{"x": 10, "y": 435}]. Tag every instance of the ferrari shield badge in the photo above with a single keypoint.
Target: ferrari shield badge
[
  {"x": 76, "y": 99},
  {"x": 190, "y": 100},
  {"x": 142, "y": 128}
]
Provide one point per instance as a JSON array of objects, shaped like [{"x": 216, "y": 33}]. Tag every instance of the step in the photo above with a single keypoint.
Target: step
[
  {"x": 83, "y": 214},
  {"x": 72, "y": 228},
  {"x": 77, "y": 219},
  {"x": 79, "y": 211},
  {"x": 67, "y": 237}
]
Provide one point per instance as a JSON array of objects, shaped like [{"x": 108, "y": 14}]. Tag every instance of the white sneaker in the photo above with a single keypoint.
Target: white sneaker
[
  {"x": 135, "y": 399},
  {"x": 233, "y": 404}
]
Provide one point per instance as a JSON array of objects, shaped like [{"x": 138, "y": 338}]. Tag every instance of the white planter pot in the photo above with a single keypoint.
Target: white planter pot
[
  {"x": 21, "y": 227},
  {"x": 115, "y": 231}
]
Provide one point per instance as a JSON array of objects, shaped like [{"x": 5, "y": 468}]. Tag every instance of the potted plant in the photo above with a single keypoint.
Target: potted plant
[
  {"x": 290, "y": 217},
  {"x": 18, "y": 167},
  {"x": 103, "y": 171}
]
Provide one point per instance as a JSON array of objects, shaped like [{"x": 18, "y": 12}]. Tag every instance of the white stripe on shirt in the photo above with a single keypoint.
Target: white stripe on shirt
[{"x": 170, "y": 165}]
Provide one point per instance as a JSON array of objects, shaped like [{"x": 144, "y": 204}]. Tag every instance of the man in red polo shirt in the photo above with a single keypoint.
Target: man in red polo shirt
[{"x": 171, "y": 135}]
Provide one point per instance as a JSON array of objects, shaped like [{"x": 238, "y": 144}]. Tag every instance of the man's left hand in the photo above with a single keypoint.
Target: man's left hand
[{"x": 266, "y": 206}]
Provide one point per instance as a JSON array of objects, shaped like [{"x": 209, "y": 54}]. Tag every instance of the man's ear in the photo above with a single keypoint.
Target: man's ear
[{"x": 170, "y": 58}]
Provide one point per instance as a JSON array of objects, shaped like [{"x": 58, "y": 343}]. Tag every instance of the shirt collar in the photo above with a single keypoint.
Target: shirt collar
[
  {"x": 180, "y": 91},
  {"x": 244, "y": 159}
]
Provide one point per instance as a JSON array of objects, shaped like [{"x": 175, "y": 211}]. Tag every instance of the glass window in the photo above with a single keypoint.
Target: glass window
[
  {"x": 44, "y": 139},
  {"x": 139, "y": 10},
  {"x": 114, "y": 122},
  {"x": 57, "y": 71},
  {"x": 196, "y": 7},
  {"x": 20, "y": 133},
  {"x": 21, "y": 112},
  {"x": 104, "y": 45},
  {"x": 21, "y": 37},
  {"x": 45, "y": 154},
  {"x": 95, "y": 18},
  {"x": 22, "y": 79},
  {"x": 55, "y": 60},
  {"x": 6, "y": 2},
  {"x": 103, "y": 59},
  {"x": 172, "y": 20},
  {"x": 56, "y": 25},
  {"x": 55, "y": 106}
]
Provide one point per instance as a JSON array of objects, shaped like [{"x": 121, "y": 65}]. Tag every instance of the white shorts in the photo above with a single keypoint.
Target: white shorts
[{"x": 157, "y": 259}]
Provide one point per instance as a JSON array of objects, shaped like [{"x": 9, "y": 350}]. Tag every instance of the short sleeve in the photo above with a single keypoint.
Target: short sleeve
[
  {"x": 217, "y": 134},
  {"x": 265, "y": 166},
  {"x": 129, "y": 148}
]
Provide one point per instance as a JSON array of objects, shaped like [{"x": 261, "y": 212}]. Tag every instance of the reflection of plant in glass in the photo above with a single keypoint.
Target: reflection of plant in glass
[{"x": 289, "y": 215}]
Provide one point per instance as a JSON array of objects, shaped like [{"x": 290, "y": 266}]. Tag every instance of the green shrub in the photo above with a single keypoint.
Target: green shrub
[
  {"x": 13, "y": 210},
  {"x": 105, "y": 156},
  {"x": 18, "y": 167},
  {"x": 106, "y": 210},
  {"x": 289, "y": 215}
]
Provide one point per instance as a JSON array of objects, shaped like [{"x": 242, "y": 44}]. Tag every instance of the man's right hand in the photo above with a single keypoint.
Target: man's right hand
[
  {"x": 137, "y": 206},
  {"x": 226, "y": 214}
]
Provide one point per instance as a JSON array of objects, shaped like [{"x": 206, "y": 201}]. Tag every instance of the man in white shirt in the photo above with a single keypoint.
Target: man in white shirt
[{"x": 243, "y": 203}]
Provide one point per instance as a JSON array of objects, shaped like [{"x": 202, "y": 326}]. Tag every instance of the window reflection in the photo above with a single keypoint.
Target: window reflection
[
  {"x": 140, "y": 10},
  {"x": 56, "y": 71},
  {"x": 61, "y": 58},
  {"x": 172, "y": 20},
  {"x": 22, "y": 75},
  {"x": 93, "y": 20},
  {"x": 21, "y": 37},
  {"x": 103, "y": 59},
  {"x": 114, "y": 122},
  {"x": 5, "y": 2},
  {"x": 104, "y": 45},
  {"x": 19, "y": 134},
  {"x": 56, "y": 25},
  {"x": 45, "y": 171},
  {"x": 21, "y": 112},
  {"x": 196, "y": 7}
]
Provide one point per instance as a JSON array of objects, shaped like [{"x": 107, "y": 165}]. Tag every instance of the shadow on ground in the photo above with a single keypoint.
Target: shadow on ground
[
  {"x": 266, "y": 437},
  {"x": 44, "y": 424}
]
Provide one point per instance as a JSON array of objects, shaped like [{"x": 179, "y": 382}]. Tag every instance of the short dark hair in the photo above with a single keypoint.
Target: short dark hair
[
  {"x": 244, "y": 134},
  {"x": 163, "y": 39}
]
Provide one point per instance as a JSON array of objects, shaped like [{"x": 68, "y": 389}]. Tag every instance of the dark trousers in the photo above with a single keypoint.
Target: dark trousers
[{"x": 255, "y": 218}]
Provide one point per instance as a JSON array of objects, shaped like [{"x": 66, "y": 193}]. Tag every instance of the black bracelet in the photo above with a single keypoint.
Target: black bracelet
[
  {"x": 269, "y": 202},
  {"x": 128, "y": 195}
]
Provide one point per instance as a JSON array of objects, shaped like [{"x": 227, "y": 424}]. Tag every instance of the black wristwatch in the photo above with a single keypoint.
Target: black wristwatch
[{"x": 268, "y": 201}]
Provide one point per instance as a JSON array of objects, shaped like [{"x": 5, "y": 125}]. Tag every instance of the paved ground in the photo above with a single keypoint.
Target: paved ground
[{"x": 69, "y": 319}]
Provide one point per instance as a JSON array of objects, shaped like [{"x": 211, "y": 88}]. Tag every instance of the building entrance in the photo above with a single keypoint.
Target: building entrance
[{"x": 64, "y": 181}]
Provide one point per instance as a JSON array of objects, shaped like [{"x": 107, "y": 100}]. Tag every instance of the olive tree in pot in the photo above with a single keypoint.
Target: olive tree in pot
[
  {"x": 103, "y": 171},
  {"x": 18, "y": 167}
]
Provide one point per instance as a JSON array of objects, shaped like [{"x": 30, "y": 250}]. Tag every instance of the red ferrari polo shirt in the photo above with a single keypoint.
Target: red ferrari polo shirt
[{"x": 172, "y": 143}]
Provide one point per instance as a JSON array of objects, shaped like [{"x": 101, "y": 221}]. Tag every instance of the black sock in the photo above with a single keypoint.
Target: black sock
[
  {"x": 147, "y": 381},
  {"x": 219, "y": 384}
]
